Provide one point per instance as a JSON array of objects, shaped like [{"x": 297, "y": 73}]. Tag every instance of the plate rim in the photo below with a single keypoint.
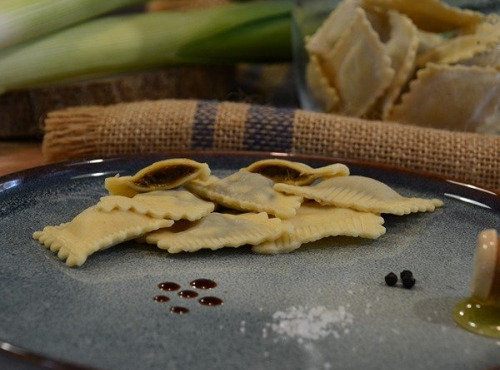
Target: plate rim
[{"x": 58, "y": 166}]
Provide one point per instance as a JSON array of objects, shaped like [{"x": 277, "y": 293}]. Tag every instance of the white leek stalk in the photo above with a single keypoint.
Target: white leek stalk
[
  {"x": 22, "y": 20},
  {"x": 240, "y": 32}
]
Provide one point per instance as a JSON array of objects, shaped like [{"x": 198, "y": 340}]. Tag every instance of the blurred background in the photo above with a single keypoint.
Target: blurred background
[{"x": 432, "y": 64}]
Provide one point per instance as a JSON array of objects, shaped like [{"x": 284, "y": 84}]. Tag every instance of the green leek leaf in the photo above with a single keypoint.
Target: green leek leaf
[
  {"x": 239, "y": 32},
  {"x": 22, "y": 20}
]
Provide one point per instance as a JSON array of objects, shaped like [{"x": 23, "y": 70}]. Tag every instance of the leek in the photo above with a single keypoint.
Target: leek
[
  {"x": 22, "y": 20},
  {"x": 239, "y": 32}
]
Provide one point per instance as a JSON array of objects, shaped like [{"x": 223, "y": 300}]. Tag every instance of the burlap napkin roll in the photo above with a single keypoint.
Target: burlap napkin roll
[{"x": 170, "y": 125}]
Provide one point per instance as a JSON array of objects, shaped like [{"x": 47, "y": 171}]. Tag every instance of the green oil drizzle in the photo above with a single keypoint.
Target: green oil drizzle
[{"x": 478, "y": 317}]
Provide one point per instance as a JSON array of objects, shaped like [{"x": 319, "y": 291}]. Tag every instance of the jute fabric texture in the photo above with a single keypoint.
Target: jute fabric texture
[{"x": 170, "y": 125}]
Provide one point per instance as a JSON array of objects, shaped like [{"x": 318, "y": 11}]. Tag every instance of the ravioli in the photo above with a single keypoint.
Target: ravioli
[
  {"x": 295, "y": 173},
  {"x": 161, "y": 175},
  {"x": 325, "y": 38},
  {"x": 402, "y": 49},
  {"x": 218, "y": 230},
  {"x": 246, "y": 191},
  {"x": 358, "y": 67},
  {"x": 430, "y": 15},
  {"x": 361, "y": 193},
  {"x": 319, "y": 86},
  {"x": 93, "y": 230},
  {"x": 270, "y": 192},
  {"x": 428, "y": 40},
  {"x": 451, "y": 111},
  {"x": 479, "y": 39},
  {"x": 488, "y": 58},
  {"x": 170, "y": 204},
  {"x": 314, "y": 221}
]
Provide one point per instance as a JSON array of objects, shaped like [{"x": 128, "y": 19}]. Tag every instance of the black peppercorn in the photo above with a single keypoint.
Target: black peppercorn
[
  {"x": 408, "y": 282},
  {"x": 391, "y": 279},
  {"x": 406, "y": 273}
]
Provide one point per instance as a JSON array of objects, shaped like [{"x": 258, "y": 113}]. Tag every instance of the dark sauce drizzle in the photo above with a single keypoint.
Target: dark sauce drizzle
[
  {"x": 187, "y": 294},
  {"x": 210, "y": 301},
  {"x": 169, "y": 286},
  {"x": 161, "y": 298},
  {"x": 202, "y": 284},
  {"x": 179, "y": 310}
]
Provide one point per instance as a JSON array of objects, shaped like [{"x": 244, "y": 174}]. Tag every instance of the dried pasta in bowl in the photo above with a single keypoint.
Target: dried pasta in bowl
[{"x": 424, "y": 63}]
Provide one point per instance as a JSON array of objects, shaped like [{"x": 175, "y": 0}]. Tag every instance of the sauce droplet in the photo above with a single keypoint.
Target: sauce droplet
[
  {"x": 203, "y": 284},
  {"x": 187, "y": 294},
  {"x": 179, "y": 310},
  {"x": 161, "y": 298},
  {"x": 169, "y": 286},
  {"x": 211, "y": 301}
]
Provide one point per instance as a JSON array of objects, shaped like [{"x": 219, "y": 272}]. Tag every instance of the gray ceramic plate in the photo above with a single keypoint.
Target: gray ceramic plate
[{"x": 324, "y": 306}]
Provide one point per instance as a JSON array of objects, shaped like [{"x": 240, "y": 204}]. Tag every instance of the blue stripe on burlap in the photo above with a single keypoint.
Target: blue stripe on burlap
[
  {"x": 202, "y": 136},
  {"x": 269, "y": 129}
]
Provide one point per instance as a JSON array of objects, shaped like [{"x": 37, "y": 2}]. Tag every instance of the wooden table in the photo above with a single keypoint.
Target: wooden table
[{"x": 19, "y": 155}]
